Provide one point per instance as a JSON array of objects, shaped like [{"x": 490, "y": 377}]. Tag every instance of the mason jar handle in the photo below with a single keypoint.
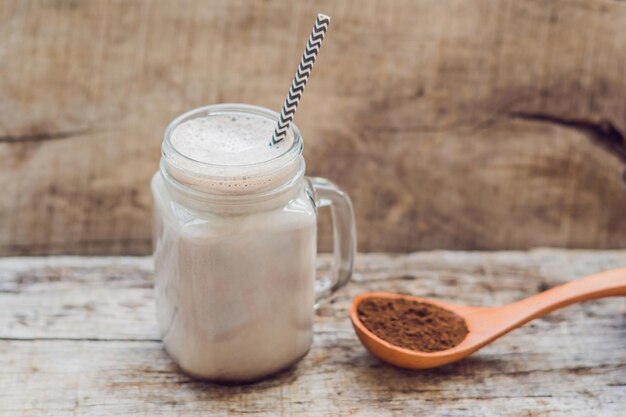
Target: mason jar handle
[{"x": 324, "y": 194}]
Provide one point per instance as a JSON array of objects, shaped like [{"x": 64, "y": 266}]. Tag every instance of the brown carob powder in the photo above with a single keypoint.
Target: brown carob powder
[{"x": 412, "y": 324}]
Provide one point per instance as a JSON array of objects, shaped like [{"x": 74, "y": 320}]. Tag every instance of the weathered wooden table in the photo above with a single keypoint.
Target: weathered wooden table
[{"x": 78, "y": 337}]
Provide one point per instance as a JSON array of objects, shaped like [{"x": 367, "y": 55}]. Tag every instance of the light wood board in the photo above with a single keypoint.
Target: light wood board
[{"x": 78, "y": 337}]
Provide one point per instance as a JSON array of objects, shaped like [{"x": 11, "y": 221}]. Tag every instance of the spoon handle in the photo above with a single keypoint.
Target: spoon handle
[{"x": 604, "y": 284}]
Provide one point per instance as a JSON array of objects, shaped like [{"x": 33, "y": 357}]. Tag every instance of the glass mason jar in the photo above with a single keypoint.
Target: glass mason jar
[{"x": 235, "y": 272}]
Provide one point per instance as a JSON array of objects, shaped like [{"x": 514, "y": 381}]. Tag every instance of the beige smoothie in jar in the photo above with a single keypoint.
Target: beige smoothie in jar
[{"x": 235, "y": 246}]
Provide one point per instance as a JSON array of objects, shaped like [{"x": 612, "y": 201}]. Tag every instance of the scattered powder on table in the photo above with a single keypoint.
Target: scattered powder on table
[{"x": 412, "y": 324}]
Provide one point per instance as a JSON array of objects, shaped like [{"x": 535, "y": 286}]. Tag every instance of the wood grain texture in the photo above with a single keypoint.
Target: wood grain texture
[
  {"x": 452, "y": 124},
  {"x": 78, "y": 337}
]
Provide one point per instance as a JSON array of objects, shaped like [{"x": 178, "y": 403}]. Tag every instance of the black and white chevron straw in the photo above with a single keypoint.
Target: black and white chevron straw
[{"x": 302, "y": 76}]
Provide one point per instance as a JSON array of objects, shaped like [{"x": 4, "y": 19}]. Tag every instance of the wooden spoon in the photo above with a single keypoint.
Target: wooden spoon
[{"x": 487, "y": 324}]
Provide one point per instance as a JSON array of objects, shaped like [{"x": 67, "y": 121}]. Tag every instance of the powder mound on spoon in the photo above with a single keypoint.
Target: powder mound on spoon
[{"x": 412, "y": 324}]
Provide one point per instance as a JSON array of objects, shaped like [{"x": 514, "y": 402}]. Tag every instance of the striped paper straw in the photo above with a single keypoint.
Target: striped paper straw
[{"x": 302, "y": 76}]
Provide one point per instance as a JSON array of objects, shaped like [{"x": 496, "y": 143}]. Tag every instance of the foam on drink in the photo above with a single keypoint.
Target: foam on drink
[
  {"x": 228, "y": 139},
  {"x": 229, "y": 154}
]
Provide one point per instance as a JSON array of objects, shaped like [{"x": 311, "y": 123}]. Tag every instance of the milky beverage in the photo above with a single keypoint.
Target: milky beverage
[{"x": 235, "y": 246}]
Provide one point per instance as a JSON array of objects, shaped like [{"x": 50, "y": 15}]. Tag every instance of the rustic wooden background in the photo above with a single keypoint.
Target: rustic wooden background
[{"x": 481, "y": 124}]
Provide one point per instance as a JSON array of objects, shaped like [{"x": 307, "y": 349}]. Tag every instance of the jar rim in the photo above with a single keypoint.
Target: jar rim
[
  {"x": 217, "y": 180},
  {"x": 291, "y": 153}
]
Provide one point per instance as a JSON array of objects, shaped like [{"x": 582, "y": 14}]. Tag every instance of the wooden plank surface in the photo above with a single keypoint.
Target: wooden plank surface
[
  {"x": 78, "y": 337},
  {"x": 489, "y": 124}
]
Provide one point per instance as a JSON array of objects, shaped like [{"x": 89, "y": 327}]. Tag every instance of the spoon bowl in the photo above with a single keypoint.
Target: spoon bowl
[{"x": 486, "y": 324}]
